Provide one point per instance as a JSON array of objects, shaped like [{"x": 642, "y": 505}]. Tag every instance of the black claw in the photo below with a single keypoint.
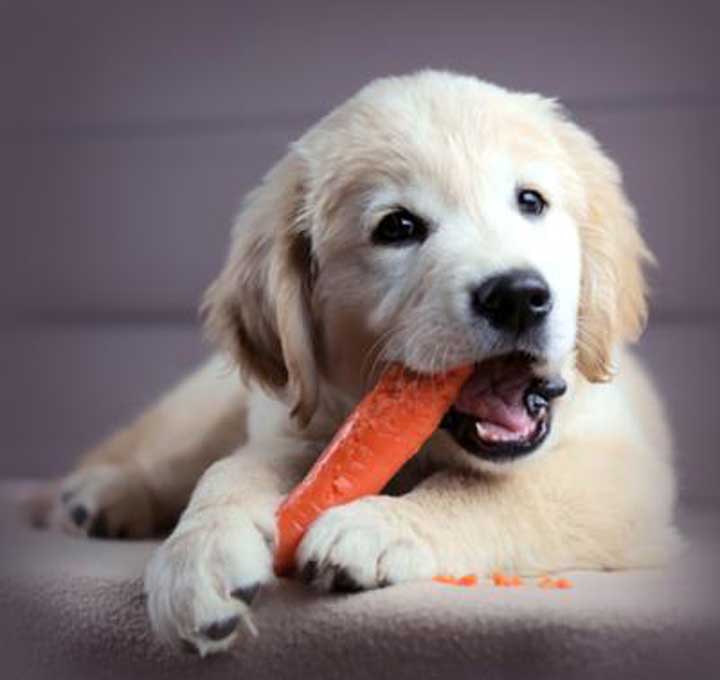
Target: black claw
[
  {"x": 221, "y": 629},
  {"x": 344, "y": 582},
  {"x": 99, "y": 528},
  {"x": 188, "y": 647},
  {"x": 246, "y": 593},
  {"x": 309, "y": 572},
  {"x": 79, "y": 515}
]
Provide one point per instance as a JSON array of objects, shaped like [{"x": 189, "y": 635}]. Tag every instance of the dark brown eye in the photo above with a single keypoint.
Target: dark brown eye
[
  {"x": 531, "y": 202},
  {"x": 399, "y": 228}
]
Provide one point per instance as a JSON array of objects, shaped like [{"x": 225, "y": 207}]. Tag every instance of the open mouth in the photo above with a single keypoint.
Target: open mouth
[{"x": 504, "y": 410}]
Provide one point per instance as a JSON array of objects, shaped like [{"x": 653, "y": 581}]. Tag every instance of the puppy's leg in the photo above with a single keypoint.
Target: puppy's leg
[
  {"x": 545, "y": 516},
  {"x": 202, "y": 580},
  {"x": 137, "y": 482}
]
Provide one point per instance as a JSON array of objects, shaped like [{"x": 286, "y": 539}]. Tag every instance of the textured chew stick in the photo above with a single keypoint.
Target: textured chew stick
[{"x": 384, "y": 431}]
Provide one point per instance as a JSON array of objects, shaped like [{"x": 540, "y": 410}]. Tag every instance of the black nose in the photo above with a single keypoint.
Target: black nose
[{"x": 514, "y": 301}]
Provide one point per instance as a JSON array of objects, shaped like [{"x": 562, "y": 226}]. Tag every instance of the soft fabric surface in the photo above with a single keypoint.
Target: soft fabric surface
[{"x": 73, "y": 608}]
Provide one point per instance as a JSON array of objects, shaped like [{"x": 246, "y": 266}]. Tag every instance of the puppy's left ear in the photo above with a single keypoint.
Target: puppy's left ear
[
  {"x": 259, "y": 307},
  {"x": 613, "y": 293}
]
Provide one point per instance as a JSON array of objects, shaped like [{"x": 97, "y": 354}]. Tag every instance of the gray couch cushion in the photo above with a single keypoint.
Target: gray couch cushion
[{"x": 74, "y": 608}]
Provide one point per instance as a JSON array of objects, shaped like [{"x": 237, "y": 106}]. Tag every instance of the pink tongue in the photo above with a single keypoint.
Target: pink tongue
[{"x": 495, "y": 394}]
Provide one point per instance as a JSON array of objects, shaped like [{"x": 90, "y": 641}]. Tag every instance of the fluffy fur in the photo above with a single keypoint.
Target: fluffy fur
[{"x": 310, "y": 310}]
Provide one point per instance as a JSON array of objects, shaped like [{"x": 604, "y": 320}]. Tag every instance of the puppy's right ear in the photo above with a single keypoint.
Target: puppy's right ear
[{"x": 258, "y": 308}]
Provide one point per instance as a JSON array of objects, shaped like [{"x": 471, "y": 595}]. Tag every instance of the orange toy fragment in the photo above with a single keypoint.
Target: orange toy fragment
[
  {"x": 505, "y": 581},
  {"x": 468, "y": 580},
  {"x": 548, "y": 583}
]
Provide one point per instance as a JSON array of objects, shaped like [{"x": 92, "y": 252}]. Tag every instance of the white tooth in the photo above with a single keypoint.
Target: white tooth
[
  {"x": 492, "y": 435},
  {"x": 481, "y": 432}
]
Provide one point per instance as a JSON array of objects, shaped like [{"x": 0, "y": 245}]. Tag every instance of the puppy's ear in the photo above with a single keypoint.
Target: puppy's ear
[
  {"x": 613, "y": 295},
  {"x": 259, "y": 306}
]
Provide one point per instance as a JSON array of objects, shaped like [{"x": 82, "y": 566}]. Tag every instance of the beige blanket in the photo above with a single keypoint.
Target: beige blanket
[{"x": 72, "y": 608}]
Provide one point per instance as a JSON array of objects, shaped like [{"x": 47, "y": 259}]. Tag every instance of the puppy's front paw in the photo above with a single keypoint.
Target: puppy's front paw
[
  {"x": 363, "y": 545},
  {"x": 201, "y": 581},
  {"x": 104, "y": 501}
]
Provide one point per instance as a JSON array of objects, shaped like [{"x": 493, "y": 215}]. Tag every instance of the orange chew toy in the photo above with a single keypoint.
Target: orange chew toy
[{"x": 384, "y": 431}]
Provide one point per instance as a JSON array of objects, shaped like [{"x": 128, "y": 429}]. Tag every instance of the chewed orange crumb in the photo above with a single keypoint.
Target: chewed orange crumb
[
  {"x": 503, "y": 580},
  {"x": 443, "y": 579},
  {"x": 498, "y": 578},
  {"x": 468, "y": 580},
  {"x": 548, "y": 583}
]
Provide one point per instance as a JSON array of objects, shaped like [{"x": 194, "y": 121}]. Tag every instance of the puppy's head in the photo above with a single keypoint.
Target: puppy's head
[{"x": 436, "y": 220}]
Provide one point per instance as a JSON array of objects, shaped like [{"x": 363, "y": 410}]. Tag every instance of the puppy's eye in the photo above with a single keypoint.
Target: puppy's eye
[
  {"x": 400, "y": 228},
  {"x": 531, "y": 202}
]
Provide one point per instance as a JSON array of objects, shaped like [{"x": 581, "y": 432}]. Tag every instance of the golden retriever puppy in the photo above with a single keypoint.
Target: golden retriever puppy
[{"x": 433, "y": 220}]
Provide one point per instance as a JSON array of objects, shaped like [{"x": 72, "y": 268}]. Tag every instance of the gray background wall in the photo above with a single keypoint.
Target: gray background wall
[{"x": 130, "y": 130}]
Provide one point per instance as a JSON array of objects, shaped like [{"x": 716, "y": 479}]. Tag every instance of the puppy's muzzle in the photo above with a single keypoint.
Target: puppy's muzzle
[{"x": 513, "y": 302}]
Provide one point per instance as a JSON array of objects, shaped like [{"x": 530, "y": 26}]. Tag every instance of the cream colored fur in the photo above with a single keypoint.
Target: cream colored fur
[{"x": 311, "y": 311}]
